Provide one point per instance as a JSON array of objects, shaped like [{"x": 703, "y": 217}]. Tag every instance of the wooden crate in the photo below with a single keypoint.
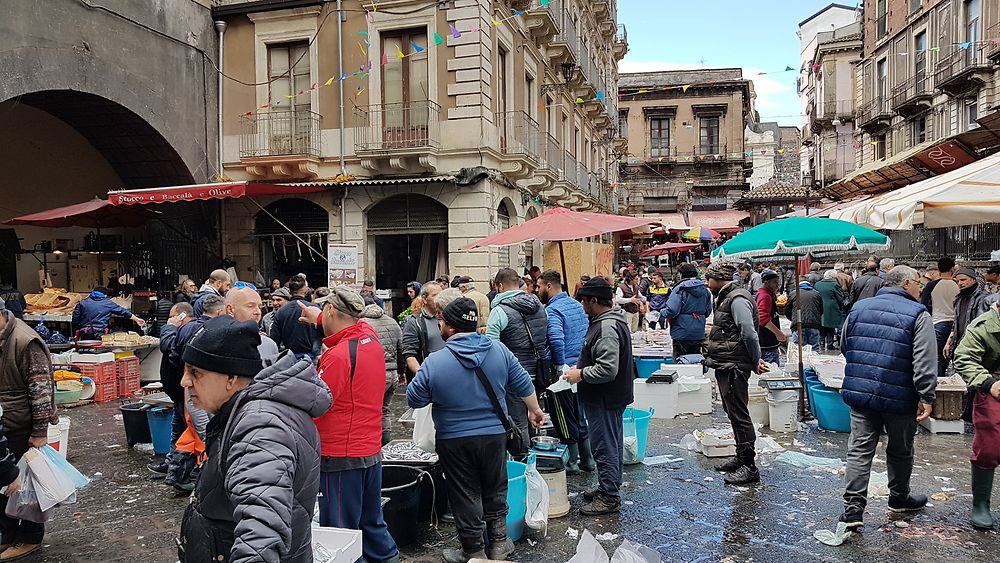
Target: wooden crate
[{"x": 949, "y": 402}]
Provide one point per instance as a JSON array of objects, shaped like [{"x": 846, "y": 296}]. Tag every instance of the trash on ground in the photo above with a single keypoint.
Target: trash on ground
[
  {"x": 878, "y": 485},
  {"x": 940, "y": 497},
  {"x": 833, "y": 538},
  {"x": 901, "y": 524},
  {"x": 590, "y": 551},
  {"x": 606, "y": 536},
  {"x": 660, "y": 459},
  {"x": 573, "y": 533},
  {"x": 811, "y": 462},
  {"x": 767, "y": 445}
]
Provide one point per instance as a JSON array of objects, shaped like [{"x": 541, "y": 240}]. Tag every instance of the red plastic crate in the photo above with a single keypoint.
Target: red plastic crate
[
  {"x": 105, "y": 392},
  {"x": 125, "y": 367},
  {"x": 128, "y": 386},
  {"x": 99, "y": 373}
]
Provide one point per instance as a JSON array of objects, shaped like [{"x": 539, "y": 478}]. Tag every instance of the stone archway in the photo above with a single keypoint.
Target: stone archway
[{"x": 282, "y": 255}]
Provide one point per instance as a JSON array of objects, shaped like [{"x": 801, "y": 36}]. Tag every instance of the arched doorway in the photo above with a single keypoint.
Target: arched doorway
[
  {"x": 70, "y": 146},
  {"x": 506, "y": 216},
  {"x": 282, "y": 255},
  {"x": 409, "y": 236}
]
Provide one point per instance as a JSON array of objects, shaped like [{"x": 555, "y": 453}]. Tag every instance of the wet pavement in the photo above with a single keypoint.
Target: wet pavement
[{"x": 682, "y": 510}]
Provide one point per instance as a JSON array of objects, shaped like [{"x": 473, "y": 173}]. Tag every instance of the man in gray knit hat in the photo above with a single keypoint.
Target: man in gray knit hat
[{"x": 734, "y": 351}]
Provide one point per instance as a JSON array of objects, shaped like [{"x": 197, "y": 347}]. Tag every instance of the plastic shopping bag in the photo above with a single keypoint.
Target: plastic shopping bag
[
  {"x": 51, "y": 484},
  {"x": 631, "y": 441},
  {"x": 537, "y": 515},
  {"x": 423, "y": 429},
  {"x": 79, "y": 479},
  {"x": 23, "y": 505}
]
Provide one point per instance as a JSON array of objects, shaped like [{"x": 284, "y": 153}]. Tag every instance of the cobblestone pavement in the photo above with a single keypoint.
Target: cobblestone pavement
[{"x": 682, "y": 509}]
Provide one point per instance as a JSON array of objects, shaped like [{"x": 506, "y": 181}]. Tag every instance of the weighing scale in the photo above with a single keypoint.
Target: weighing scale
[{"x": 781, "y": 384}]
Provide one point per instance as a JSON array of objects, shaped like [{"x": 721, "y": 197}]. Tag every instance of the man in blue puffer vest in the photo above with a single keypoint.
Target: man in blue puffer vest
[
  {"x": 92, "y": 315},
  {"x": 567, "y": 326},
  {"x": 688, "y": 307},
  {"x": 889, "y": 383}
]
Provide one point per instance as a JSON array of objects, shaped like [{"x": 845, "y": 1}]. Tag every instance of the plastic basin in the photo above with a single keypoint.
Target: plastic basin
[
  {"x": 160, "y": 426},
  {"x": 831, "y": 411},
  {"x": 136, "y": 424},
  {"x": 640, "y": 419},
  {"x": 517, "y": 499},
  {"x": 646, "y": 366}
]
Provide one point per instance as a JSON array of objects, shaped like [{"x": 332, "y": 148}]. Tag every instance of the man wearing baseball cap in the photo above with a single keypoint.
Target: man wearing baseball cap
[
  {"x": 604, "y": 374},
  {"x": 353, "y": 366},
  {"x": 469, "y": 435},
  {"x": 733, "y": 350}
]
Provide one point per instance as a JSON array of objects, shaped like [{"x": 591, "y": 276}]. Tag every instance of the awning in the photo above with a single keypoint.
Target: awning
[
  {"x": 94, "y": 214},
  {"x": 824, "y": 209},
  {"x": 880, "y": 176},
  {"x": 967, "y": 196},
  {"x": 668, "y": 248},
  {"x": 202, "y": 192},
  {"x": 559, "y": 224},
  {"x": 728, "y": 220}
]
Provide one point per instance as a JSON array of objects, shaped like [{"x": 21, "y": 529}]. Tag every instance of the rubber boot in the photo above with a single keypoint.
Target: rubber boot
[
  {"x": 587, "y": 462},
  {"x": 982, "y": 488},
  {"x": 573, "y": 465},
  {"x": 500, "y": 547},
  {"x": 452, "y": 555}
]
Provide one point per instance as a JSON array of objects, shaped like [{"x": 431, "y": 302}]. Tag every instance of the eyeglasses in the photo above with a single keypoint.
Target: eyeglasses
[{"x": 242, "y": 285}]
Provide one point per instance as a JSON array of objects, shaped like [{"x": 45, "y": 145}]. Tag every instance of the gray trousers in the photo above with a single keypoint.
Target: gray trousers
[
  {"x": 608, "y": 444},
  {"x": 866, "y": 429},
  {"x": 391, "y": 379}
]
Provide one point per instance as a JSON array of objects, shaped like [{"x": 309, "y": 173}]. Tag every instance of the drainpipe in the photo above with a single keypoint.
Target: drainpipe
[
  {"x": 220, "y": 26},
  {"x": 340, "y": 90}
]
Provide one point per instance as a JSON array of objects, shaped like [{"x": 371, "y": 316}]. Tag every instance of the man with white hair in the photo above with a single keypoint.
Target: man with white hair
[
  {"x": 243, "y": 303},
  {"x": 889, "y": 383},
  {"x": 884, "y": 266}
]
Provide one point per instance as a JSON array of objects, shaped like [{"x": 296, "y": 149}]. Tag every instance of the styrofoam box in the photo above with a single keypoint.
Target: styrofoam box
[
  {"x": 92, "y": 358},
  {"x": 935, "y": 426},
  {"x": 661, "y": 396},
  {"x": 694, "y": 396},
  {"x": 686, "y": 371},
  {"x": 713, "y": 446},
  {"x": 344, "y": 545}
]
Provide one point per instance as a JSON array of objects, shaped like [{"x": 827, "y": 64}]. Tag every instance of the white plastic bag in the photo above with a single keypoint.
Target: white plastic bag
[
  {"x": 23, "y": 505},
  {"x": 537, "y": 515},
  {"x": 423, "y": 429},
  {"x": 51, "y": 484},
  {"x": 631, "y": 552},
  {"x": 589, "y": 550},
  {"x": 630, "y": 442}
]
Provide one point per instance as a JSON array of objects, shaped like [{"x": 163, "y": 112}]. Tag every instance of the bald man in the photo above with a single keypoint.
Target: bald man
[
  {"x": 218, "y": 283},
  {"x": 244, "y": 304}
]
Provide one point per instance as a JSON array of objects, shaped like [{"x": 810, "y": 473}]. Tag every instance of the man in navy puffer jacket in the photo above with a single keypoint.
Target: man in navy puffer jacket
[
  {"x": 889, "y": 383},
  {"x": 688, "y": 307}
]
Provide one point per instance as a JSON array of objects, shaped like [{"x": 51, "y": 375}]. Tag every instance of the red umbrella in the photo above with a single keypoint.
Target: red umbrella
[
  {"x": 668, "y": 248},
  {"x": 560, "y": 224}
]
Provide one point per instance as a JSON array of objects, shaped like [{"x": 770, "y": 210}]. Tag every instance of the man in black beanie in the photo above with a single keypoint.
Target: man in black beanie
[
  {"x": 605, "y": 373},
  {"x": 470, "y": 438},
  {"x": 262, "y": 431}
]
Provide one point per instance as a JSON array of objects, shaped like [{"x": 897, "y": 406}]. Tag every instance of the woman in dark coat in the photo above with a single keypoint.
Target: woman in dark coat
[{"x": 834, "y": 308}]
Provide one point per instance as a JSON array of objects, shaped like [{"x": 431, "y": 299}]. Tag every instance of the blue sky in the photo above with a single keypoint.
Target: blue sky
[{"x": 757, "y": 35}]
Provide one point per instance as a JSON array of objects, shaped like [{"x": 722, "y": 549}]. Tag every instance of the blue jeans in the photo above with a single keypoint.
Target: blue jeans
[
  {"x": 607, "y": 441},
  {"x": 941, "y": 332},
  {"x": 771, "y": 355},
  {"x": 810, "y": 336},
  {"x": 353, "y": 499}
]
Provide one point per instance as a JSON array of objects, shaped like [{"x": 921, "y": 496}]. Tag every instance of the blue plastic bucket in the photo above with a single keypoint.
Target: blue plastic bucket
[
  {"x": 646, "y": 366},
  {"x": 810, "y": 385},
  {"x": 517, "y": 499},
  {"x": 831, "y": 411},
  {"x": 640, "y": 417},
  {"x": 160, "y": 423}
]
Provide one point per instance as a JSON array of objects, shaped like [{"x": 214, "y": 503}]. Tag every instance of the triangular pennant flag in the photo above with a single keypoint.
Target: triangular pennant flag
[
  {"x": 685, "y": 87},
  {"x": 788, "y": 68},
  {"x": 934, "y": 49},
  {"x": 495, "y": 21},
  {"x": 343, "y": 77},
  {"x": 289, "y": 96},
  {"x": 417, "y": 47},
  {"x": 265, "y": 106},
  {"x": 248, "y": 114},
  {"x": 314, "y": 85},
  {"x": 600, "y": 94},
  {"x": 454, "y": 32},
  {"x": 330, "y": 81},
  {"x": 781, "y": 151},
  {"x": 362, "y": 49},
  {"x": 541, "y": 105},
  {"x": 385, "y": 58},
  {"x": 518, "y": 13},
  {"x": 369, "y": 65},
  {"x": 579, "y": 100},
  {"x": 545, "y": 3},
  {"x": 438, "y": 39},
  {"x": 362, "y": 33},
  {"x": 363, "y": 76},
  {"x": 399, "y": 54},
  {"x": 966, "y": 45},
  {"x": 641, "y": 91}
]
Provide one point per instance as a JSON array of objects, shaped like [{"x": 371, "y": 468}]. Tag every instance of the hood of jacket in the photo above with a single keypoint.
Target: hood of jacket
[
  {"x": 207, "y": 289},
  {"x": 294, "y": 383},
  {"x": 372, "y": 312},
  {"x": 525, "y": 303},
  {"x": 691, "y": 285},
  {"x": 472, "y": 348},
  {"x": 610, "y": 315}
]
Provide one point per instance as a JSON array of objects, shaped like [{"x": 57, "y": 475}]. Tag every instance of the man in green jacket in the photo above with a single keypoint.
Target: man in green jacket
[{"x": 977, "y": 360}]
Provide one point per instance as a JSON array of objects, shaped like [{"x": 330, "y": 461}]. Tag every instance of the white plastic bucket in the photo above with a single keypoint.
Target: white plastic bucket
[
  {"x": 759, "y": 410},
  {"x": 58, "y": 436},
  {"x": 558, "y": 492},
  {"x": 783, "y": 410}
]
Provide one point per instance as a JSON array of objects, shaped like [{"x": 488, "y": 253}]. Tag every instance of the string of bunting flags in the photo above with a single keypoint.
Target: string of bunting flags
[{"x": 366, "y": 67}]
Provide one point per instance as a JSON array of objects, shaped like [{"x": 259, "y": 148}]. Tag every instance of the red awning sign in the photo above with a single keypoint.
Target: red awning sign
[{"x": 201, "y": 192}]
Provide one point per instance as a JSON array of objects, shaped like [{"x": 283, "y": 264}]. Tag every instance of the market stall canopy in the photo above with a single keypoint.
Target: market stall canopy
[
  {"x": 668, "y": 248},
  {"x": 823, "y": 209},
  {"x": 560, "y": 224},
  {"x": 201, "y": 192},
  {"x": 94, "y": 214},
  {"x": 801, "y": 236},
  {"x": 701, "y": 233},
  {"x": 967, "y": 196},
  {"x": 727, "y": 220}
]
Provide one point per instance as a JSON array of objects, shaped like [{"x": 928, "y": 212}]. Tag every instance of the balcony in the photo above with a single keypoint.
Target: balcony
[
  {"x": 912, "y": 96},
  {"x": 519, "y": 143},
  {"x": 962, "y": 70},
  {"x": 620, "y": 48},
  {"x": 874, "y": 115},
  {"x": 829, "y": 111},
  {"x": 715, "y": 153},
  {"x": 658, "y": 155},
  {"x": 545, "y": 23},
  {"x": 565, "y": 45},
  {"x": 281, "y": 144},
  {"x": 992, "y": 47},
  {"x": 401, "y": 136}
]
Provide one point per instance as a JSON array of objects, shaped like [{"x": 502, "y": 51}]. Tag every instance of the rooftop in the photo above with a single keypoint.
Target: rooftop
[
  {"x": 680, "y": 77},
  {"x": 824, "y": 10}
]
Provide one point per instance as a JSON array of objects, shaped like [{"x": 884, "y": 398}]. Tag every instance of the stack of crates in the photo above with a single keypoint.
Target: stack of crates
[
  {"x": 127, "y": 371},
  {"x": 105, "y": 380}
]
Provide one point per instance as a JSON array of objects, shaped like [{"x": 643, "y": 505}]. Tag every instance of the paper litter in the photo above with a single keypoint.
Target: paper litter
[
  {"x": 767, "y": 445},
  {"x": 811, "y": 462},
  {"x": 834, "y": 538},
  {"x": 940, "y": 497},
  {"x": 607, "y": 536},
  {"x": 657, "y": 460},
  {"x": 572, "y": 532}
]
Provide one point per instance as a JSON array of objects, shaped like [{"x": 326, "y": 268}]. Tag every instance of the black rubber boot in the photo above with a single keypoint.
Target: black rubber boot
[
  {"x": 452, "y": 555},
  {"x": 982, "y": 489},
  {"x": 587, "y": 462},
  {"x": 500, "y": 547},
  {"x": 573, "y": 465}
]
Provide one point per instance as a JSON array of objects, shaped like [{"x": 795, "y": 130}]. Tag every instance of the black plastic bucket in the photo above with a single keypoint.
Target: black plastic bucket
[
  {"x": 401, "y": 485},
  {"x": 136, "y": 424},
  {"x": 433, "y": 493}
]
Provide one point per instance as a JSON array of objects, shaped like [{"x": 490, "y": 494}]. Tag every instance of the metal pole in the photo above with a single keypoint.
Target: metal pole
[
  {"x": 798, "y": 316},
  {"x": 220, "y": 26},
  {"x": 340, "y": 90},
  {"x": 562, "y": 260}
]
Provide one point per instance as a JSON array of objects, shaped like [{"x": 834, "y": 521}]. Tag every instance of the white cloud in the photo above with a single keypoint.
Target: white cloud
[{"x": 774, "y": 93}]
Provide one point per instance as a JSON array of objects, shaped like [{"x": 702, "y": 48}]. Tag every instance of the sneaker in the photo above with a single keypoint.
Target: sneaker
[
  {"x": 729, "y": 466},
  {"x": 602, "y": 504},
  {"x": 853, "y": 517},
  {"x": 911, "y": 503},
  {"x": 743, "y": 476},
  {"x": 19, "y": 551},
  {"x": 159, "y": 467},
  {"x": 590, "y": 495}
]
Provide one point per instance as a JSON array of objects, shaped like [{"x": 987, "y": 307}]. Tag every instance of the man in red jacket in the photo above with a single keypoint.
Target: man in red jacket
[{"x": 353, "y": 367}]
